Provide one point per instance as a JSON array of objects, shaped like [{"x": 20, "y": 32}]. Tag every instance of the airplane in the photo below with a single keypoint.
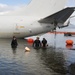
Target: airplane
[{"x": 39, "y": 16}]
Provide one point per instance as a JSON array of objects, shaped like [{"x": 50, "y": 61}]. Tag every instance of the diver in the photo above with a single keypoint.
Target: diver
[{"x": 37, "y": 43}]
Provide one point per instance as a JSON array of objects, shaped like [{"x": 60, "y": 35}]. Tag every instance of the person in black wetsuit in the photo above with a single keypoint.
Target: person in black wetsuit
[
  {"x": 37, "y": 43},
  {"x": 14, "y": 42},
  {"x": 44, "y": 43}
]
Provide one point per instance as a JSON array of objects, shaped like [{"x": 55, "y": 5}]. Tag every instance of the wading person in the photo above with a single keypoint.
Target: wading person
[
  {"x": 14, "y": 42},
  {"x": 44, "y": 43},
  {"x": 37, "y": 43}
]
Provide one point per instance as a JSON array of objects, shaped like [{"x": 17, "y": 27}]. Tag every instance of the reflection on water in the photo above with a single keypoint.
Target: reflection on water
[
  {"x": 55, "y": 60},
  {"x": 14, "y": 51},
  {"x": 18, "y": 62},
  {"x": 14, "y": 48},
  {"x": 72, "y": 69}
]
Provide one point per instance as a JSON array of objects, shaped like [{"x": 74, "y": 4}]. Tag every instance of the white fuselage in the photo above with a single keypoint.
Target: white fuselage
[
  {"x": 21, "y": 26},
  {"x": 24, "y": 22}
]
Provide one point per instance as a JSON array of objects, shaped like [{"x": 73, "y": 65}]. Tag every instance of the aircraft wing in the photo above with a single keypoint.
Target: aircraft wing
[{"x": 59, "y": 17}]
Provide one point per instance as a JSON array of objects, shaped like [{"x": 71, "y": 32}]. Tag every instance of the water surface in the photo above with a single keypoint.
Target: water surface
[{"x": 55, "y": 60}]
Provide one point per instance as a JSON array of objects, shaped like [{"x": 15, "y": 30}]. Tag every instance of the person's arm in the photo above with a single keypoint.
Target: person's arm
[
  {"x": 16, "y": 42},
  {"x": 11, "y": 42},
  {"x": 33, "y": 43},
  {"x": 46, "y": 41},
  {"x": 40, "y": 43}
]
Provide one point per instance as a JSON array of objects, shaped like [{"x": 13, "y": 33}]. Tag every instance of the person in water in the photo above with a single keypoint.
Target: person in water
[
  {"x": 37, "y": 43},
  {"x": 14, "y": 42},
  {"x": 44, "y": 43}
]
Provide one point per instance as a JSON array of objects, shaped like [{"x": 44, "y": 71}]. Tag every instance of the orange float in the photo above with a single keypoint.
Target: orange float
[
  {"x": 69, "y": 46},
  {"x": 69, "y": 42},
  {"x": 30, "y": 40}
]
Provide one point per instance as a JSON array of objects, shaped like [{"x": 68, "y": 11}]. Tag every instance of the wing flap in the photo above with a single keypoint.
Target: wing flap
[{"x": 59, "y": 17}]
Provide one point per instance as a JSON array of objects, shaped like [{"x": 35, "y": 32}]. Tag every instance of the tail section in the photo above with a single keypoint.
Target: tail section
[{"x": 41, "y": 8}]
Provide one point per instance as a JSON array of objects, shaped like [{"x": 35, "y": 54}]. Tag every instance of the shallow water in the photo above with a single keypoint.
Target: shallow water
[{"x": 55, "y": 60}]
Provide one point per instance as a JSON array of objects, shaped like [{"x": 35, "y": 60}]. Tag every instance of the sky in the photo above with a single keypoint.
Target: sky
[
  {"x": 14, "y": 2},
  {"x": 8, "y": 5},
  {"x": 70, "y": 3}
]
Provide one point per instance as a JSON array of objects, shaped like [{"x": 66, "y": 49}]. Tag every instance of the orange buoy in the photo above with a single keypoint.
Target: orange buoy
[
  {"x": 69, "y": 42},
  {"x": 69, "y": 46},
  {"x": 30, "y": 40}
]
